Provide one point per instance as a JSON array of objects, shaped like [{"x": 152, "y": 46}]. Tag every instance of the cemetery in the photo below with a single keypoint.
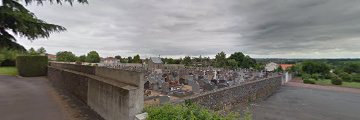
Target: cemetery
[{"x": 163, "y": 84}]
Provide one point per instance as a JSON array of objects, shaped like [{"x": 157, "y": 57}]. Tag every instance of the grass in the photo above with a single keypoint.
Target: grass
[
  {"x": 8, "y": 71},
  {"x": 344, "y": 84}
]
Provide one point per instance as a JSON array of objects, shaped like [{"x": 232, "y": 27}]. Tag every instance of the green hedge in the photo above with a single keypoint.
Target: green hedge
[
  {"x": 336, "y": 82},
  {"x": 308, "y": 81},
  {"x": 32, "y": 66}
]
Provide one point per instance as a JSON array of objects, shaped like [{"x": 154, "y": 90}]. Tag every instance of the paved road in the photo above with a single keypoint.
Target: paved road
[
  {"x": 303, "y": 103},
  {"x": 29, "y": 99}
]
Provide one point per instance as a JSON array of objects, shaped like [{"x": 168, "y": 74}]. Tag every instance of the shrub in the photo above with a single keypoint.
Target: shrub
[
  {"x": 336, "y": 81},
  {"x": 308, "y": 81},
  {"x": 184, "y": 112},
  {"x": 345, "y": 77},
  {"x": 316, "y": 76},
  {"x": 32, "y": 66},
  {"x": 305, "y": 76},
  {"x": 356, "y": 77}
]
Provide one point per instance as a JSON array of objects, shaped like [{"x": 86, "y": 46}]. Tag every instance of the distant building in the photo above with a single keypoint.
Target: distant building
[
  {"x": 51, "y": 57},
  {"x": 271, "y": 66},
  {"x": 155, "y": 62},
  {"x": 286, "y": 66},
  {"x": 110, "y": 61}
]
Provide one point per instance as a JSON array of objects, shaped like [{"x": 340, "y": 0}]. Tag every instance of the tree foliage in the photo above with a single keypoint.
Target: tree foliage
[
  {"x": 93, "y": 57},
  {"x": 137, "y": 59},
  {"x": 82, "y": 58},
  {"x": 41, "y": 51},
  {"x": 65, "y": 56},
  {"x": 16, "y": 18},
  {"x": 185, "y": 112},
  {"x": 244, "y": 61},
  {"x": 186, "y": 61},
  {"x": 311, "y": 67},
  {"x": 220, "y": 60}
]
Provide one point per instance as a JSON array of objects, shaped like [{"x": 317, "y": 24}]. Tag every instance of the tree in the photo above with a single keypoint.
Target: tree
[
  {"x": 244, "y": 61},
  {"x": 93, "y": 57},
  {"x": 137, "y": 59},
  {"x": 186, "y": 61},
  {"x": 129, "y": 59},
  {"x": 118, "y": 57},
  {"x": 232, "y": 64},
  {"x": 352, "y": 68},
  {"x": 41, "y": 51},
  {"x": 32, "y": 52},
  {"x": 82, "y": 58},
  {"x": 16, "y": 18},
  {"x": 65, "y": 56},
  {"x": 220, "y": 60},
  {"x": 312, "y": 67}
]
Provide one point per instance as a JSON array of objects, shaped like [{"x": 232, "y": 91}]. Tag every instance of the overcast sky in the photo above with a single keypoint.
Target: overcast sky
[{"x": 259, "y": 28}]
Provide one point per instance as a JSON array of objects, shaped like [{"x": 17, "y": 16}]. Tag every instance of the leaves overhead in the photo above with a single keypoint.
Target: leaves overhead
[{"x": 16, "y": 18}]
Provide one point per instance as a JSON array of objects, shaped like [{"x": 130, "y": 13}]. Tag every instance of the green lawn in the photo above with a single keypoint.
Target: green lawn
[
  {"x": 8, "y": 71},
  {"x": 344, "y": 84}
]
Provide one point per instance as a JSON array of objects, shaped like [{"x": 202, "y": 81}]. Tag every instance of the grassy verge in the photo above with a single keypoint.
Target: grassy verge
[
  {"x": 344, "y": 84},
  {"x": 8, "y": 71}
]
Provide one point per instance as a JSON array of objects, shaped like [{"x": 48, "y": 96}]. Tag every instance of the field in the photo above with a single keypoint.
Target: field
[
  {"x": 8, "y": 71},
  {"x": 344, "y": 84}
]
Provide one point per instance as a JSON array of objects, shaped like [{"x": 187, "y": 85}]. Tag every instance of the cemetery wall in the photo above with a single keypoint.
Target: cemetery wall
[
  {"x": 114, "y": 94},
  {"x": 229, "y": 97}
]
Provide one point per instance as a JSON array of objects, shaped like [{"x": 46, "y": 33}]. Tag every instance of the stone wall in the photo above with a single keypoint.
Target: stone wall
[
  {"x": 114, "y": 94},
  {"x": 227, "y": 98}
]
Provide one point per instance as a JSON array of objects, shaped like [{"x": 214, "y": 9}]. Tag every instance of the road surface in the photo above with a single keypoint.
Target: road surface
[
  {"x": 301, "y": 102},
  {"x": 30, "y": 99}
]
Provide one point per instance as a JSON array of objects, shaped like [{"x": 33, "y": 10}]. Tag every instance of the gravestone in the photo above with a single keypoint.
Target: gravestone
[
  {"x": 195, "y": 87},
  {"x": 164, "y": 99}
]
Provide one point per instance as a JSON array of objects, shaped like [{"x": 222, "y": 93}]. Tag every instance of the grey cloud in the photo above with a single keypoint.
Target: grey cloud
[{"x": 260, "y": 28}]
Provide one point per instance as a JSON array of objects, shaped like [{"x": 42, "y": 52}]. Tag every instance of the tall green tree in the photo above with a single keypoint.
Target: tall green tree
[
  {"x": 82, "y": 58},
  {"x": 137, "y": 59},
  {"x": 32, "y": 52},
  {"x": 232, "y": 64},
  {"x": 93, "y": 57},
  {"x": 16, "y": 18},
  {"x": 41, "y": 50},
  {"x": 187, "y": 61},
  {"x": 220, "y": 60},
  {"x": 65, "y": 56},
  {"x": 118, "y": 57}
]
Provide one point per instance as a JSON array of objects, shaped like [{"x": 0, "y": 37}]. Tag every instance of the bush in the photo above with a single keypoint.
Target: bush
[
  {"x": 308, "y": 81},
  {"x": 32, "y": 66},
  {"x": 345, "y": 77},
  {"x": 336, "y": 81},
  {"x": 305, "y": 76},
  {"x": 356, "y": 77},
  {"x": 184, "y": 112}
]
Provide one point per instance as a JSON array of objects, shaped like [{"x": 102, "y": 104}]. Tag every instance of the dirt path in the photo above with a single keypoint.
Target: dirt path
[{"x": 31, "y": 99}]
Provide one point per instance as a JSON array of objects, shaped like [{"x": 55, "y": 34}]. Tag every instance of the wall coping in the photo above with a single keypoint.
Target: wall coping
[{"x": 101, "y": 79}]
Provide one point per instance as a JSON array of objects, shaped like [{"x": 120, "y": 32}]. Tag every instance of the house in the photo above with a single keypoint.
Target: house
[
  {"x": 51, "y": 57},
  {"x": 110, "y": 61},
  {"x": 271, "y": 66},
  {"x": 286, "y": 66},
  {"x": 155, "y": 62}
]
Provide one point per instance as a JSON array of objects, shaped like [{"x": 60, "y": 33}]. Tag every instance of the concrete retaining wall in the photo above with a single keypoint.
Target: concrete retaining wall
[
  {"x": 227, "y": 98},
  {"x": 114, "y": 94}
]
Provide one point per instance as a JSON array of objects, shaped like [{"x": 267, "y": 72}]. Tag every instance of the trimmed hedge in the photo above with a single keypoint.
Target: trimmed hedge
[
  {"x": 308, "y": 81},
  {"x": 336, "y": 82},
  {"x": 32, "y": 66}
]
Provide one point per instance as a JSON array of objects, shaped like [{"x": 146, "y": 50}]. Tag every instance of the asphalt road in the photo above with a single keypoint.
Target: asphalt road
[
  {"x": 299, "y": 103},
  {"x": 29, "y": 99}
]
